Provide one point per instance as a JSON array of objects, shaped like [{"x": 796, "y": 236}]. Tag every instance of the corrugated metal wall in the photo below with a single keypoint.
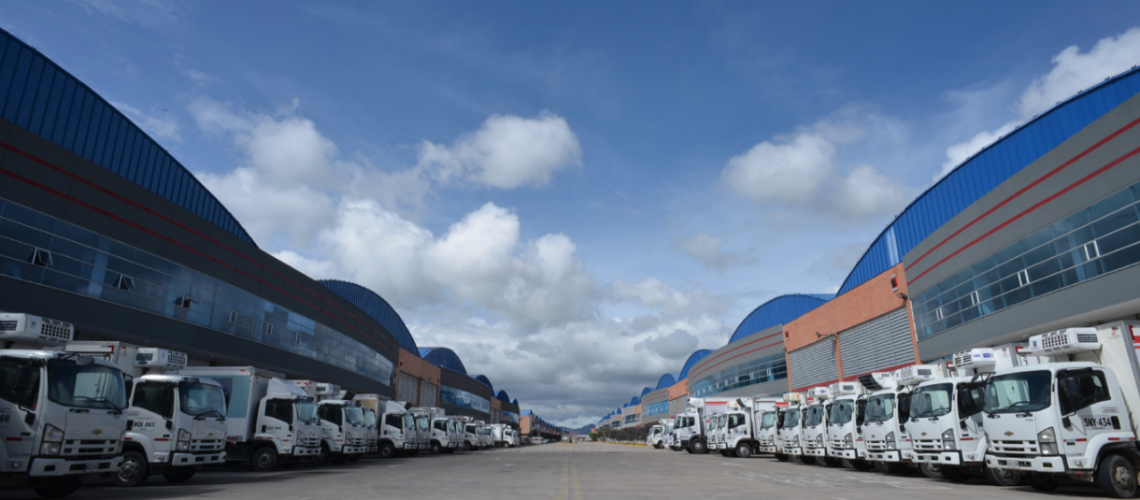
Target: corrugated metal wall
[
  {"x": 409, "y": 389},
  {"x": 980, "y": 174},
  {"x": 813, "y": 364},
  {"x": 429, "y": 394},
  {"x": 376, "y": 307},
  {"x": 880, "y": 343},
  {"x": 778, "y": 311}
]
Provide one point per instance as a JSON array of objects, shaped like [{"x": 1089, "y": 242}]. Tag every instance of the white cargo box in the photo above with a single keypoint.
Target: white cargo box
[
  {"x": 794, "y": 397},
  {"x": 845, "y": 389}
]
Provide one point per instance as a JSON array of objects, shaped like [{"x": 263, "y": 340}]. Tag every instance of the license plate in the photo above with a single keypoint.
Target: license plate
[
  {"x": 91, "y": 467},
  {"x": 1023, "y": 463}
]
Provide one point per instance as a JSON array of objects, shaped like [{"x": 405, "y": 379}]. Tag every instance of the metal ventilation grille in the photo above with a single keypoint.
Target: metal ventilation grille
[
  {"x": 813, "y": 364},
  {"x": 962, "y": 358},
  {"x": 55, "y": 330},
  {"x": 881, "y": 343},
  {"x": 178, "y": 358}
]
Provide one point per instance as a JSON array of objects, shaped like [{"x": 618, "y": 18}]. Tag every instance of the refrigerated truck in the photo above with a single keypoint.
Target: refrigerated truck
[
  {"x": 269, "y": 420},
  {"x": 397, "y": 427},
  {"x": 1070, "y": 416},
  {"x": 766, "y": 429},
  {"x": 738, "y": 436},
  {"x": 692, "y": 426},
  {"x": 177, "y": 422},
  {"x": 443, "y": 434},
  {"x": 62, "y": 415},
  {"x": 844, "y": 424},
  {"x": 885, "y": 426},
  {"x": 791, "y": 429},
  {"x": 344, "y": 436},
  {"x": 815, "y": 427}
]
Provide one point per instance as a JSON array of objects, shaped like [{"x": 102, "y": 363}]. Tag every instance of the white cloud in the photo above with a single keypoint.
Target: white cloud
[
  {"x": 157, "y": 122},
  {"x": 958, "y": 153},
  {"x": 790, "y": 170},
  {"x": 655, "y": 294},
  {"x": 153, "y": 14},
  {"x": 865, "y": 193},
  {"x": 506, "y": 152},
  {"x": 708, "y": 250}
]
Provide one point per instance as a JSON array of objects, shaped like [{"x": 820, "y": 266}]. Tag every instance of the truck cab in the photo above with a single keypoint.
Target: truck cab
[
  {"x": 177, "y": 423},
  {"x": 372, "y": 432},
  {"x": 439, "y": 435},
  {"x": 344, "y": 435},
  {"x": 815, "y": 425},
  {"x": 269, "y": 421},
  {"x": 844, "y": 422},
  {"x": 791, "y": 429},
  {"x": 657, "y": 434},
  {"x": 888, "y": 402},
  {"x": 1070, "y": 416},
  {"x": 394, "y": 425},
  {"x": 767, "y": 427},
  {"x": 716, "y": 431},
  {"x": 470, "y": 434},
  {"x": 691, "y": 427},
  {"x": 62, "y": 415}
]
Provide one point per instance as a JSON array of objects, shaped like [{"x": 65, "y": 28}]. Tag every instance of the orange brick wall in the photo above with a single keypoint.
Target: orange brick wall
[
  {"x": 861, "y": 304},
  {"x": 679, "y": 389},
  {"x": 416, "y": 366}
]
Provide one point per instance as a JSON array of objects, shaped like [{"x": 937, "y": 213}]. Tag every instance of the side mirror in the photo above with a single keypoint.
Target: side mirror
[
  {"x": 30, "y": 418},
  {"x": 170, "y": 425},
  {"x": 962, "y": 424},
  {"x": 1066, "y": 422},
  {"x": 902, "y": 427},
  {"x": 290, "y": 427}
]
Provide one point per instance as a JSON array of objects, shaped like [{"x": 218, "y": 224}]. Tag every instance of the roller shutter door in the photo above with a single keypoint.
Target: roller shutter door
[
  {"x": 409, "y": 388},
  {"x": 429, "y": 394},
  {"x": 813, "y": 364},
  {"x": 881, "y": 343}
]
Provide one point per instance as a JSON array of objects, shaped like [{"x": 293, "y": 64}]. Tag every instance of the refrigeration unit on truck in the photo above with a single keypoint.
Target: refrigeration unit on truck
[
  {"x": 888, "y": 406},
  {"x": 844, "y": 422},
  {"x": 791, "y": 429},
  {"x": 62, "y": 414},
  {"x": 177, "y": 422},
  {"x": 344, "y": 437},
  {"x": 397, "y": 427},
  {"x": 269, "y": 421},
  {"x": 1069, "y": 418},
  {"x": 947, "y": 427},
  {"x": 815, "y": 427}
]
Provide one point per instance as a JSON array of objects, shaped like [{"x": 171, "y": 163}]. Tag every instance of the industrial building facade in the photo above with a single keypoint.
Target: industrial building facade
[
  {"x": 103, "y": 228},
  {"x": 1037, "y": 232}
]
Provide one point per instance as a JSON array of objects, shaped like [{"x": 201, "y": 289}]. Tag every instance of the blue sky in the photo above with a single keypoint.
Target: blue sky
[{"x": 574, "y": 197}]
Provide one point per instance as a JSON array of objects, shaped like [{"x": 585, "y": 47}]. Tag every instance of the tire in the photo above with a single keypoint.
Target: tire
[
  {"x": 180, "y": 474},
  {"x": 881, "y": 467},
  {"x": 354, "y": 458},
  {"x": 1004, "y": 477},
  {"x": 387, "y": 450},
  {"x": 699, "y": 447},
  {"x": 436, "y": 449},
  {"x": 338, "y": 460},
  {"x": 743, "y": 450},
  {"x": 467, "y": 446},
  {"x": 1042, "y": 482},
  {"x": 658, "y": 446},
  {"x": 782, "y": 457},
  {"x": 807, "y": 460},
  {"x": 264, "y": 459},
  {"x": 134, "y": 470},
  {"x": 321, "y": 459},
  {"x": 833, "y": 462},
  {"x": 955, "y": 475},
  {"x": 932, "y": 471},
  {"x": 862, "y": 465},
  {"x": 59, "y": 489},
  {"x": 1117, "y": 477}
]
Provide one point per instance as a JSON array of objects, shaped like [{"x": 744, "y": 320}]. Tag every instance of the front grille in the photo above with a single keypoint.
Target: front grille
[
  {"x": 207, "y": 445},
  {"x": 877, "y": 445},
  {"x": 838, "y": 443},
  {"x": 928, "y": 445},
  {"x": 1015, "y": 448},
  {"x": 87, "y": 448}
]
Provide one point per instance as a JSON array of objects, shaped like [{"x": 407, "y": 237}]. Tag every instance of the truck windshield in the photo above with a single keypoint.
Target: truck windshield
[
  {"x": 19, "y": 382},
  {"x": 931, "y": 401},
  {"x": 353, "y": 415},
  {"x": 470, "y": 429},
  {"x": 202, "y": 400},
  {"x": 422, "y": 423},
  {"x": 813, "y": 416},
  {"x": 369, "y": 418},
  {"x": 841, "y": 411},
  {"x": 306, "y": 411},
  {"x": 768, "y": 420},
  {"x": 1018, "y": 392},
  {"x": 880, "y": 408},
  {"x": 791, "y": 418},
  {"x": 409, "y": 422},
  {"x": 91, "y": 386}
]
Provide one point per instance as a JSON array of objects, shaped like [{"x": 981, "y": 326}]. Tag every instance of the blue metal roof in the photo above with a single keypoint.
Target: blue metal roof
[
  {"x": 39, "y": 96},
  {"x": 377, "y": 308},
  {"x": 515, "y": 402},
  {"x": 443, "y": 358},
  {"x": 502, "y": 396},
  {"x": 693, "y": 359},
  {"x": 646, "y": 391},
  {"x": 780, "y": 310},
  {"x": 984, "y": 171},
  {"x": 666, "y": 380},
  {"x": 486, "y": 381}
]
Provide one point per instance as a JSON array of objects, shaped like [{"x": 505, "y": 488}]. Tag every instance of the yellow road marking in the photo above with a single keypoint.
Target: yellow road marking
[{"x": 577, "y": 487}]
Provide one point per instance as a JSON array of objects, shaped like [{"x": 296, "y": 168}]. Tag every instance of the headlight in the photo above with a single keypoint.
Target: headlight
[
  {"x": 1047, "y": 436},
  {"x": 891, "y": 441},
  {"x": 50, "y": 449},
  {"x": 183, "y": 440},
  {"x": 795, "y": 440},
  {"x": 52, "y": 434},
  {"x": 300, "y": 435},
  {"x": 849, "y": 440},
  {"x": 948, "y": 439},
  {"x": 1048, "y": 448}
]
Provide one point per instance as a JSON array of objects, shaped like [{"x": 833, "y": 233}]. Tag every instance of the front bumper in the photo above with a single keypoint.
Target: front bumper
[
  {"x": 938, "y": 457},
  {"x": 354, "y": 449},
  {"x": 722, "y": 446},
  {"x": 815, "y": 452},
  {"x": 191, "y": 459},
  {"x": 56, "y": 467},
  {"x": 306, "y": 451},
  {"x": 847, "y": 453},
  {"x": 767, "y": 448},
  {"x": 883, "y": 456},
  {"x": 795, "y": 452},
  {"x": 1051, "y": 464}
]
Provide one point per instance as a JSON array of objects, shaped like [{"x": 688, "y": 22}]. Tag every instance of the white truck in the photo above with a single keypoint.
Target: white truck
[
  {"x": 344, "y": 436},
  {"x": 443, "y": 433},
  {"x": 657, "y": 434},
  {"x": 62, "y": 415},
  {"x": 471, "y": 434},
  {"x": 397, "y": 427},
  {"x": 791, "y": 428},
  {"x": 269, "y": 421},
  {"x": 694, "y": 426},
  {"x": 844, "y": 424},
  {"x": 815, "y": 427},
  {"x": 767, "y": 430},
  {"x": 484, "y": 432},
  {"x": 739, "y": 435},
  {"x": 498, "y": 438},
  {"x": 889, "y": 446},
  {"x": 372, "y": 430},
  {"x": 946, "y": 423},
  {"x": 177, "y": 422},
  {"x": 1069, "y": 418}
]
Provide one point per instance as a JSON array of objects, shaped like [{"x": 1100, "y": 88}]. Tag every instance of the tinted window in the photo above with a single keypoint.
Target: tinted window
[
  {"x": 1076, "y": 390},
  {"x": 155, "y": 398},
  {"x": 19, "y": 382},
  {"x": 280, "y": 409},
  {"x": 330, "y": 413},
  {"x": 970, "y": 399}
]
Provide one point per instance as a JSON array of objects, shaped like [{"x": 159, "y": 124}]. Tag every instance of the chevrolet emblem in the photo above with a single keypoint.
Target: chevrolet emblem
[
  {"x": 96, "y": 432},
  {"x": 1008, "y": 433},
  {"x": 210, "y": 434},
  {"x": 924, "y": 434}
]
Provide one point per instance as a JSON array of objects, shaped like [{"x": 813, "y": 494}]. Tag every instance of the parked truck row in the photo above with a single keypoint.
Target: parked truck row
[
  {"x": 70, "y": 410},
  {"x": 1051, "y": 411}
]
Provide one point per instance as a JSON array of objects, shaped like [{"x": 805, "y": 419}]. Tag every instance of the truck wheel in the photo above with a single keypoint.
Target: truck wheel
[
  {"x": 861, "y": 465},
  {"x": 1042, "y": 482},
  {"x": 467, "y": 446},
  {"x": 782, "y": 457},
  {"x": 59, "y": 489},
  {"x": 436, "y": 449},
  {"x": 932, "y": 471},
  {"x": 743, "y": 450},
  {"x": 321, "y": 459},
  {"x": 1004, "y": 477},
  {"x": 134, "y": 471},
  {"x": 1117, "y": 477},
  {"x": 180, "y": 474},
  {"x": 354, "y": 458},
  {"x": 699, "y": 447},
  {"x": 833, "y": 462},
  {"x": 387, "y": 450},
  {"x": 807, "y": 460},
  {"x": 264, "y": 459},
  {"x": 881, "y": 466},
  {"x": 338, "y": 460},
  {"x": 955, "y": 474}
]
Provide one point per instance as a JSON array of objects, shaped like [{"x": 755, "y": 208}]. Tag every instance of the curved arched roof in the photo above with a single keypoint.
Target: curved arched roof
[
  {"x": 693, "y": 358},
  {"x": 443, "y": 358},
  {"x": 55, "y": 105},
  {"x": 377, "y": 308},
  {"x": 502, "y": 396},
  {"x": 646, "y": 391},
  {"x": 486, "y": 381},
  {"x": 634, "y": 401},
  {"x": 666, "y": 380},
  {"x": 779, "y": 310},
  {"x": 981, "y": 173}
]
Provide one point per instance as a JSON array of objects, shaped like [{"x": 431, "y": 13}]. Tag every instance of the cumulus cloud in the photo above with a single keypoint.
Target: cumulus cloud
[
  {"x": 790, "y": 170},
  {"x": 506, "y": 152},
  {"x": 1072, "y": 72},
  {"x": 655, "y": 294},
  {"x": 157, "y": 122},
  {"x": 708, "y": 250},
  {"x": 865, "y": 193}
]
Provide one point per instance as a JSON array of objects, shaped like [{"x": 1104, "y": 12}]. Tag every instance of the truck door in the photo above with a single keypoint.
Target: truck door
[
  {"x": 277, "y": 416},
  {"x": 1078, "y": 391},
  {"x": 969, "y": 405}
]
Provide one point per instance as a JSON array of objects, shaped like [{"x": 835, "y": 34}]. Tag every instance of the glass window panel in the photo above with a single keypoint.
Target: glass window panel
[
  {"x": 1112, "y": 203},
  {"x": 1070, "y": 223},
  {"x": 1114, "y": 222}
]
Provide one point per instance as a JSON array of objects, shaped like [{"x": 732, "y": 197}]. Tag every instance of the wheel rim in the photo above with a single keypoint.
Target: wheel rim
[
  {"x": 130, "y": 469},
  {"x": 264, "y": 461},
  {"x": 1122, "y": 477}
]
